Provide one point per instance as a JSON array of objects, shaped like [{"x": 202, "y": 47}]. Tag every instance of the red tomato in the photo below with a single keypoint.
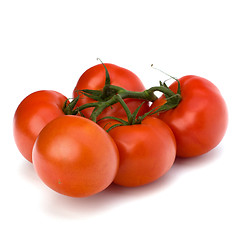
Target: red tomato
[
  {"x": 94, "y": 79},
  {"x": 75, "y": 157},
  {"x": 200, "y": 120},
  {"x": 32, "y": 114},
  {"x": 147, "y": 151}
]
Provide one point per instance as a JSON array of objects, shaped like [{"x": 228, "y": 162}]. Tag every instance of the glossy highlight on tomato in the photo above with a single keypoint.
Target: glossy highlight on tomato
[
  {"x": 75, "y": 157},
  {"x": 34, "y": 113},
  {"x": 94, "y": 79},
  {"x": 200, "y": 120}
]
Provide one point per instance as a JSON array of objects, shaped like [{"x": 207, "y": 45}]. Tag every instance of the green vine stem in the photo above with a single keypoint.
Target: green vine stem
[
  {"x": 112, "y": 94},
  {"x": 172, "y": 98}
]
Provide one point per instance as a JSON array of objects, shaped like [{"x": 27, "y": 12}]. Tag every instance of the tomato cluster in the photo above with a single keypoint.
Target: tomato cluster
[{"x": 115, "y": 130}]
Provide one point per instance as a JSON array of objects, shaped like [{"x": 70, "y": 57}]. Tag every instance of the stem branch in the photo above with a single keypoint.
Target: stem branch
[{"x": 118, "y": 94}]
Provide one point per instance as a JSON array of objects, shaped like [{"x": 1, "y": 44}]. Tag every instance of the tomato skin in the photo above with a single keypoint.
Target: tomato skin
[
  {"x": 200, "y": 120},
  {"x": 75, "y": 157},
  {"x": 147, "y": 151},
  {"x": 32, "y": 114},
  {"x": 94, "y": 79}
]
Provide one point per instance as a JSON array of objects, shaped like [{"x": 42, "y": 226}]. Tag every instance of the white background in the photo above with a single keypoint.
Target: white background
[{"x": 49, "y": 44}]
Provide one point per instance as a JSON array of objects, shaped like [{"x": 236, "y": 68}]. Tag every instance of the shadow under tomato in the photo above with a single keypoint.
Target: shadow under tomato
[
  {"x": 26, "y": 169},
  {"x": 114, "y": 196},
  {"x": 202, "y": 160}
]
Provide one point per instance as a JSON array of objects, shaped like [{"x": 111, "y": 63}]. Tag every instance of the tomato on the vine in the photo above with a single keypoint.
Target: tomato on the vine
[
  {"x": 32, "y": 114},
  {"x": 147, "y": 150},
  {"x": 94, "y": 79},
  {"x": 75, "y": 157},
  {"x": 200, "y": 120}
]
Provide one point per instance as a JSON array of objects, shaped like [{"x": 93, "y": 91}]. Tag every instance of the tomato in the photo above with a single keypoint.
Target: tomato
[
  {"x": 147, "y": 151},
  {"x": 94, "y": 79},
  {"x": 75, "y": 157},
  {"x": 32, "y": 114},
  {"x": 200, "y": 120}
]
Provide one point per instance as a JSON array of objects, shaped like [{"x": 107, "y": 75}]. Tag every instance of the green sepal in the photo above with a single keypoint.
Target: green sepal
[
  {"x": 163, "y": 84},
  {"x": 68, "y": 108},
  {"x": 140, "y": 118},
  {"x": 115, "y": 118},
  {"x": 171, "y": 103},
  {"x": 107, "y": 81},
  {"x": 134, "y": 115},
  {"x": 93, "y": 94},
  {"x": 114, "y": 126}
]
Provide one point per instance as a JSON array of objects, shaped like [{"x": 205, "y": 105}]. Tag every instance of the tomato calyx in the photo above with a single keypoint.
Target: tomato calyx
[
  {"x": 107, "y": 91},
  {"x": 101, "y": 95},
  {"x": 132, "y": 118},
  {"x": 69, "y": 106}
]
